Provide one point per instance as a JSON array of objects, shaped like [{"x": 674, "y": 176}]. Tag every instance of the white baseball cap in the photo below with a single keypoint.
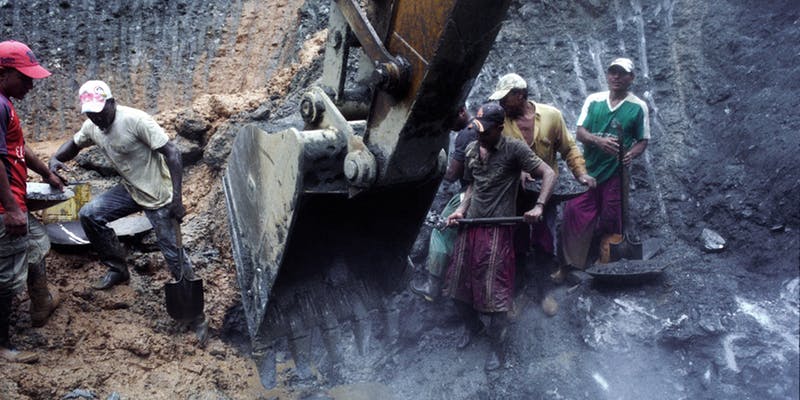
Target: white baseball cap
[
  {"x": 93, "y": 96},
  {"x": 507, "y": 83},
  {"x": 624, "y": 63}
]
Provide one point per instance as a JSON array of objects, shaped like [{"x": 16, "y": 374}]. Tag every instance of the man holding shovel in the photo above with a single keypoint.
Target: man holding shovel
[
  {"x": 151, "y": 168},
  {"x": 606, "y": 120}
]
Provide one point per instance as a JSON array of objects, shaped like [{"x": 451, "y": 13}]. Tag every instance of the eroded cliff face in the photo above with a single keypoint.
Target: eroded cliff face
[
  {"x": 156, "y": 55},
  {"x": 721, "y": 89},
  {"x": 721, "y": 79}
]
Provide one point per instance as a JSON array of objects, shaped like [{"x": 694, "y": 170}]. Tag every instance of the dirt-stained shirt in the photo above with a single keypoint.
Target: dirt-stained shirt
[
  {"x": 495, "y": 180},
  {"x": 131, "y": 145},
  {"x": 12, "y": 152},
  {"x": 550, "y": 136}
]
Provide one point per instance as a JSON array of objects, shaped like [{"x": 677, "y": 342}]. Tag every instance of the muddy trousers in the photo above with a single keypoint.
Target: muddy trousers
[
  {"x": 22, "y": 261},
  {"x": 117, "y": 203}
]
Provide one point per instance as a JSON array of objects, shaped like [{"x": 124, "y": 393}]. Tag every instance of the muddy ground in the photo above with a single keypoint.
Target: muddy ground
[{"x": 721, "y": 79}]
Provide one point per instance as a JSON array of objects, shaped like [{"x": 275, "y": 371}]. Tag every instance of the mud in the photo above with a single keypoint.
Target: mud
[{"x": 720, "y": 78}]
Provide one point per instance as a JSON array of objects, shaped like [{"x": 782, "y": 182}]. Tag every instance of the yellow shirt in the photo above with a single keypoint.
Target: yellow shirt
[{"x": 550, "y": 136}]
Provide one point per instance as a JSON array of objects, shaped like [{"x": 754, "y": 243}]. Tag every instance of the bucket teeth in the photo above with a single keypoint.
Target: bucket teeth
[
  {"x": 362, "y": 329},
  {"x": 330, "y": 333},
  {"x": 300, "y": 348},
  {"x": 265, "y": 363},
  {"x": 300, "y": 337}
]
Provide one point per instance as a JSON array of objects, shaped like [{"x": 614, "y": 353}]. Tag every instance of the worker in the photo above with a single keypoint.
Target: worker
[
  {"x": 480, "y": 276},
  {"x": 23, "y": 240},
  {"x": 542, "y": 127},
  {"x": 441, "y": 240},
  {"x": 606, "y": 119},
  {"x": 150, "y": 165}
]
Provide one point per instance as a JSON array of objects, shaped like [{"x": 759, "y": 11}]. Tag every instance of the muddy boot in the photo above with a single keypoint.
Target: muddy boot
[
  {"x": 200, "y": 325},
  {"x": 7, "y": 352},
  {"x": 498, "y": 330},
  {"x": 43, "y": 302},
  {"x": 117, "y": 273},
  {"x": 429, "y": 289}
]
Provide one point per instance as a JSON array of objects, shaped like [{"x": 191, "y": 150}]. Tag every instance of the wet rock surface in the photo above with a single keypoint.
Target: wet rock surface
[{"x": 720, "y": 79}]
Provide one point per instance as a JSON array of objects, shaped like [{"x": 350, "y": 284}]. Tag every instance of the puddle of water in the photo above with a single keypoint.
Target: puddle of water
[{"x": 362, "y": 391}]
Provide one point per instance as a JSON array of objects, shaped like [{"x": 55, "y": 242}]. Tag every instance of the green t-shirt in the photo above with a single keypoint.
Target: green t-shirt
[{"x": 629, "y": 118}]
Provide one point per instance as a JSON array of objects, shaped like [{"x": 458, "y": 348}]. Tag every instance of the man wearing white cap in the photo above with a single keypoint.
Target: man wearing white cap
[
  {"x": 23, "y": 240},
  {"x": 606, "y": 119},
  {"x": 542, "y": 127},
  {"x": 151, "y": 168}
]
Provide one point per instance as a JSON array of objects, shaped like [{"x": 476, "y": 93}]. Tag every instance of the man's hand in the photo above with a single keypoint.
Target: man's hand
[
  {"x": 176, "y": 209},
  {"x": 453, "y": 218},
  {"x": 628, "y": 158},
  {"x": 534, "y": 214},
  {"x": 587, "y": 180},
  {"x": 16, "y": 222},
  {"x": 55, "y": 181},
  {"x": 608, "y": 145},
  {"x": 56, "y": 165}
]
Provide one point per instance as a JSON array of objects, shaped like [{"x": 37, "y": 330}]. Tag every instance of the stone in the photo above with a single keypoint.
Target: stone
[{"x": 712, "y": 241}]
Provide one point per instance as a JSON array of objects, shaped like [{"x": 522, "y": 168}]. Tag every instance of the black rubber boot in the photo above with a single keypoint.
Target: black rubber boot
[
  {"x": 7, "y": 351},
  {"x": 117, "y": 274},
  {"x": 429, "y": 289},
  {"x": 43, "y": 301}
]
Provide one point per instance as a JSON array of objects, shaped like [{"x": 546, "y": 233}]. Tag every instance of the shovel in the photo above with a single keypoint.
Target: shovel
[
  {"x": 618, "y": 246},
  {"x": 184, "y": 297}
]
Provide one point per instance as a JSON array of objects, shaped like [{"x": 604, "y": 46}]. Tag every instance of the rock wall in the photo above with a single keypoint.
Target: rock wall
[
  {"x": 721, "y": 87},
  {"x": 155, "y": 54}
]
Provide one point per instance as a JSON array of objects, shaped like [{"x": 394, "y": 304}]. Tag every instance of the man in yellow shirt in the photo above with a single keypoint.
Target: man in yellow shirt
[{"x": 542, "y": 127}]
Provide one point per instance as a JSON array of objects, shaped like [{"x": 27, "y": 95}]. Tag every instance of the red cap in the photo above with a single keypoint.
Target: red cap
[{"x": 17, "y": 55}]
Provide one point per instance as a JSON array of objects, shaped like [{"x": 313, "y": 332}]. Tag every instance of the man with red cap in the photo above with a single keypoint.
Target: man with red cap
[
  {"x": 23, "y": 240},
  {"x": 481, "y": 273}
]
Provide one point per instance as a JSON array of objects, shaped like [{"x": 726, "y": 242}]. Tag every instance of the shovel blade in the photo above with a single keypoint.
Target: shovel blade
[
  {"x": 184, "y": 299},
  {"x": 627, "y": 249}
]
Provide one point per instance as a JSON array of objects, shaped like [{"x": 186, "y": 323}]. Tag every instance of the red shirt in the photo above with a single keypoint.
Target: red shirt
[{"x": 12, "y": 152}]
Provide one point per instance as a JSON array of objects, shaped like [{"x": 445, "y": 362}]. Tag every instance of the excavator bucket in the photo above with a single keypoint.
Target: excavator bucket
[
  {"x": 323, "y": 219},
  {"x": 262, "y": 185}
]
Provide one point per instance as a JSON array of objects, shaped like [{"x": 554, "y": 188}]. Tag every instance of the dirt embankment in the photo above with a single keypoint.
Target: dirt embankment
[{"x": 207, "y": 62}]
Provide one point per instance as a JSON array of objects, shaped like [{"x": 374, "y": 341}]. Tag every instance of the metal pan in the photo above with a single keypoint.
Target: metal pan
[
  {"x": 626, "y": 272},
  {"x": 41, "y": 195},
  {"x": 71, "y": 233},
  {"x": 566, "y": 188}
]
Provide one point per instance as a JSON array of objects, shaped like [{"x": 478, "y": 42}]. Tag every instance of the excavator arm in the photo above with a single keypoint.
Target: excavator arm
[{"x": 322, "y": 219}]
